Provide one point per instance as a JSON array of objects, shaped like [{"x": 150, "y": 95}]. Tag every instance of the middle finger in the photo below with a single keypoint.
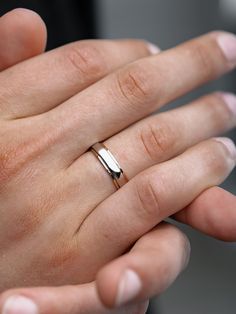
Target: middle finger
[
  {"x": 135, "y": 91},
  {"x": 149, "y": 142}
]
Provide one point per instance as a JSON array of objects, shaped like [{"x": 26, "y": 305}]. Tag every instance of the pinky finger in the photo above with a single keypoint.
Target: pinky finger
[
  {"x": 82, "y": 299},
  {"x": 147, "y": 270},
  {"x": 213, "y": 213}
]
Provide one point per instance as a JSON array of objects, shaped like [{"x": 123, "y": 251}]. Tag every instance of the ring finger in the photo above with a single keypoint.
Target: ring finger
[
  {"x": 153, "y": 195},
  {"x": 152, "y": 141}
]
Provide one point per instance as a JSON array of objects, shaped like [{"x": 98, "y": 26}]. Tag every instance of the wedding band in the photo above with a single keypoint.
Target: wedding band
[{"x": 110, "y": 164}]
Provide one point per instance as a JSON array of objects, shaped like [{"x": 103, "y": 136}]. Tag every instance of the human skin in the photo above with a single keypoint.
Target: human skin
[
  {"x": 23, "y": 35},
  {"x": 215, "y": 148},
  {"x": 18, "y": 40}
]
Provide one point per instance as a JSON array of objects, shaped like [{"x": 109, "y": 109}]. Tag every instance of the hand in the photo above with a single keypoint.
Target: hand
[
  {"x": 21, "y": 22},
  {"x": 27, "y": 23},
  {"x": 154, "y": 247}
]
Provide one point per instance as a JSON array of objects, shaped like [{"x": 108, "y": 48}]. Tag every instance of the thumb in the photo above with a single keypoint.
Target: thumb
[
  {"x": 82, "y": 299},
  {"x": 23, "y": 35}
]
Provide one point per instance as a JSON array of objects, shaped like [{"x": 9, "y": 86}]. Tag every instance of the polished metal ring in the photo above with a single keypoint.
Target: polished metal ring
[{"x": 110, "y": 164}]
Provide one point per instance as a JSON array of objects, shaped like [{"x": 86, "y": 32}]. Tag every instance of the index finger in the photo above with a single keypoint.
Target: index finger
[
  {"x": 138, "y": 89},
  {"x": 46, "y": 81}
]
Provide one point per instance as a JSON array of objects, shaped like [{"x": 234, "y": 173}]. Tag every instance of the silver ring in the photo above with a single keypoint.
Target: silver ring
[{"x": 110, "y": 164}]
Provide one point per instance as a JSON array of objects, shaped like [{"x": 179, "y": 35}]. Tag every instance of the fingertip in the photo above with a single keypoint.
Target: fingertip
[
  {"x": 212, "y": 213},
  {"x": 118, "y": 284},
  {"x": 32, "y": 22},
  {"x": 106, "y": 284},
  {"x": 23, "y": 35}
]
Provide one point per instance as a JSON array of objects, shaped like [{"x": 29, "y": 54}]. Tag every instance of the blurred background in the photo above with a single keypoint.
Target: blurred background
[{"x": 209, "y": 284}]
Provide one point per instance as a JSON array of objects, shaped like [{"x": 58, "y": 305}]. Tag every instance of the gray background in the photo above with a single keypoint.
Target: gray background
[{"x": 208, "y": 285}]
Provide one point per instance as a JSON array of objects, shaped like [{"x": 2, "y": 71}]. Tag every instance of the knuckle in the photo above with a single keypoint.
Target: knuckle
[
  {"x": 9, "y": 164},
  {"x": 34, "y": 211},
  {"x": 13, "y": 159},
  {"x": 86, "y": 59},
  {"x": 132, "y": 84},
  {"x": 157, "y": 139},
  {"x": 13, "y": 155},
  {"x": 63, "y": 255},
  {"x": 25, "y": 223},
  {"x": 148, "y": 198},
  {"x": 29, "y": 218},
  {"x": 204, "y": 60},
  {"x": 17, "y": 156}
]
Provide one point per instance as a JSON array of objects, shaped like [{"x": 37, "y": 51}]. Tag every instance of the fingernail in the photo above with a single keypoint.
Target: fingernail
[
  {"x": 129, "y": 287},
  {"x": 227, "y": 43},
  {"x": 229, "y": 144},
  {"x": 230, "y": 101},
  {"x": 19, "y": 305},
  {"x": 153, "y": 49}
]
